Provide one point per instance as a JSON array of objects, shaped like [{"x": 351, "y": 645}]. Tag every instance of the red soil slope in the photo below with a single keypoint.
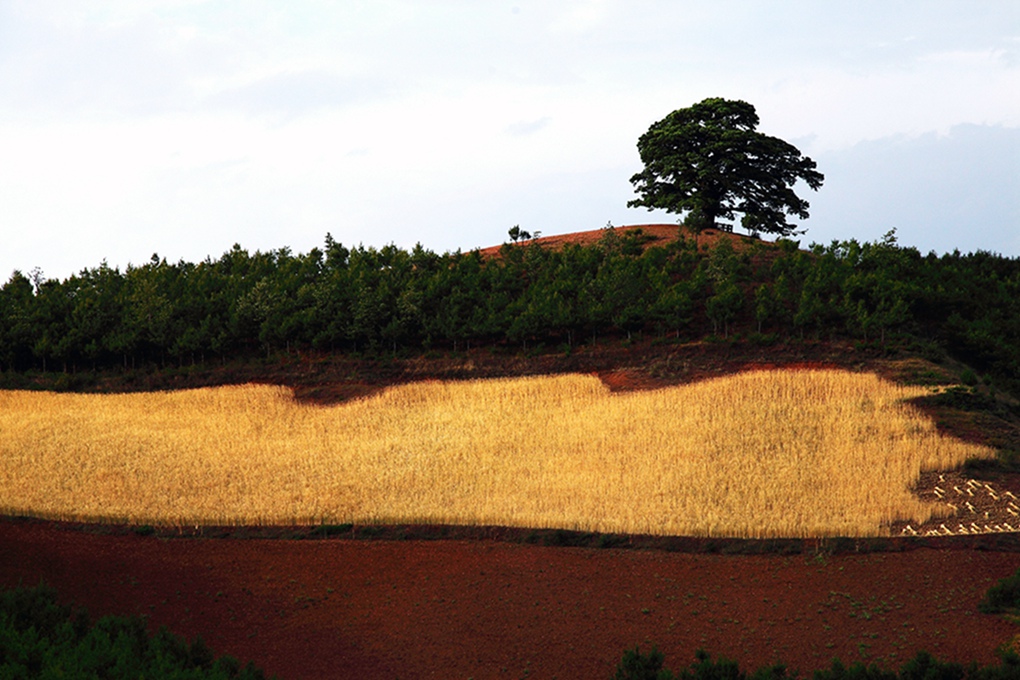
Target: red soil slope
[
  {"x": 660, "y": 234},
  {"x": 449, "y": 609}
]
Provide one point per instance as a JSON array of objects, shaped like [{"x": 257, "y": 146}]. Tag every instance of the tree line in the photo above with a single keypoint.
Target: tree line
[{"x": 341, "y": 299}]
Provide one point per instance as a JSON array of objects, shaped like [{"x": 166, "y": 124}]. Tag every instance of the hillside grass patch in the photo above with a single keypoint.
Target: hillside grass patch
[{"x": 759, "y": 454}]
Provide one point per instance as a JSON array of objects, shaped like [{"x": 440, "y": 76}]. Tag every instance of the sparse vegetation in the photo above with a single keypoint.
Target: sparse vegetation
[{"x": 759, "y": 454}]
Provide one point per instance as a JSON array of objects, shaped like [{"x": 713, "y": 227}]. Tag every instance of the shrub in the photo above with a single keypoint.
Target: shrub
[
  {"x": 1003, "y": 596},
  {"x": 924, "y": 666},
  {"x": 638, "y": 666},
  {"x": 41, "y": 638}
]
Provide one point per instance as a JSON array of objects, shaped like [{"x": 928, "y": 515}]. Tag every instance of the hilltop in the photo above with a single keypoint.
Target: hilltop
[{"x": 648, "y": 234}]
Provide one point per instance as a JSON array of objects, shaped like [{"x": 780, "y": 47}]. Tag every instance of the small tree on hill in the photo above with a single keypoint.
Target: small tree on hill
[{"x": 707, "y": 161}]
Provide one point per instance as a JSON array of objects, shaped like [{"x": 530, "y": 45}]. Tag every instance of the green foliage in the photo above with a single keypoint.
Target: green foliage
[
  {"x": 922, "y": 667},
  {"x": 708, "y": 161},
  {"x": 638, "y": 666},
  {"x": 245, "y": 305},
  {"x": 40, "y": 638},
  {"x": 1002, "y": 597},
  {"x": 705, "y": 668}
]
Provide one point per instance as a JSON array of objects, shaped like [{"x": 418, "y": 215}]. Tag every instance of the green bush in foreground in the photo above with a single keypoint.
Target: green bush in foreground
[
  {"x": 638, "y": 666},
  {"x": 1004, "y": 596},
  {"x": 40, "y": 638}
]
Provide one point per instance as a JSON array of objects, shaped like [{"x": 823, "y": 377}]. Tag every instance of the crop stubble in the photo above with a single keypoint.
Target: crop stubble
[{"x": 758, "y": 454}]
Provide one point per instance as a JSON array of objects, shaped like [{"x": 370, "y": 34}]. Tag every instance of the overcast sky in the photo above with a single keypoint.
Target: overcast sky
[{"x": 181, "y": 127}]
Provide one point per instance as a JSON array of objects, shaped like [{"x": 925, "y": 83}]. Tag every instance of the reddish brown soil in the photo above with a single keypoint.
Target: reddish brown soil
[
  {"x": 659, "y": 234},
  {"x": 411, "y": 609}
]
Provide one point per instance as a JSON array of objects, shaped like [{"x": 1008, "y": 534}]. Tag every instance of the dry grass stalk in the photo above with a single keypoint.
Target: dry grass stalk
[{"x": 769, "y": 453}]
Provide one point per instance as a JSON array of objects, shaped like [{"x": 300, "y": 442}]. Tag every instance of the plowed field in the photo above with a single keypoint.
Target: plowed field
[{"x": 484, "y": 609}]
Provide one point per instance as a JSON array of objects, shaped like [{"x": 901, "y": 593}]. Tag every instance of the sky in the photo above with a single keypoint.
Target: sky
[{"x": 182, "y": 127}]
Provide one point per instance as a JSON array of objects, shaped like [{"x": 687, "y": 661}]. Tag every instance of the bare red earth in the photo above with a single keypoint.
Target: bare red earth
[
  {"x": 657, "y": 234},
  {"x": 484, "y": 609}
]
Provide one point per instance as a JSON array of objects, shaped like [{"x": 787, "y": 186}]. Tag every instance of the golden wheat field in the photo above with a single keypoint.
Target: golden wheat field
[{"x": 759, "y": 454}]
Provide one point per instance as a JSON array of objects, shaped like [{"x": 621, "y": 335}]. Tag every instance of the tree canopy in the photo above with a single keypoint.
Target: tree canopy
[
  {"x": 709, "y": 162},
  {"x": 359, "y": 299}
]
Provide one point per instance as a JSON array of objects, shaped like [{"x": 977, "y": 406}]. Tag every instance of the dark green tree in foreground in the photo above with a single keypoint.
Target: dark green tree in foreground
[
  {"x": 40, "y": 638},
  {"x": 707, "y": 161}
]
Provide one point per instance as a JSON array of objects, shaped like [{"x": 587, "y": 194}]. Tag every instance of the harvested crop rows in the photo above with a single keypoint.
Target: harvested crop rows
[{"x": 759, "y": 454}]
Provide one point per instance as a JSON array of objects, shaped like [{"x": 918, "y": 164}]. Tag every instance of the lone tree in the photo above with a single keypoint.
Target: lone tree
[{"x": 709, "y": 162}]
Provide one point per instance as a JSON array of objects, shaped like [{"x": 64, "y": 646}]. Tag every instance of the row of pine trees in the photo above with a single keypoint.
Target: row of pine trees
[{"x": 361, "y": 299}]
